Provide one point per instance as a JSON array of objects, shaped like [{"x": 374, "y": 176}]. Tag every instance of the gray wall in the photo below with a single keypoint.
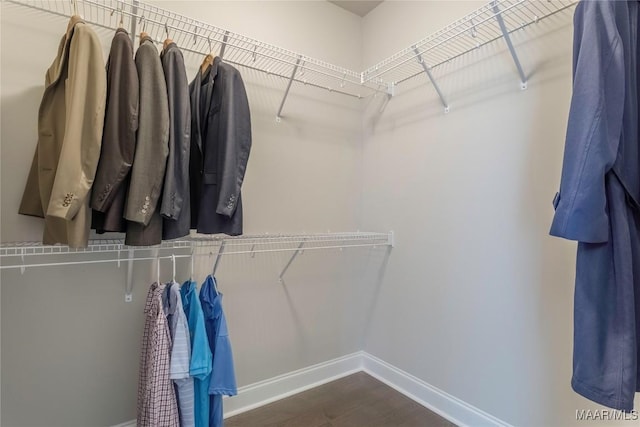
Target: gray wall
[
  {"x": 478, "y": 298},
  {"x": 70, "y": 344}
]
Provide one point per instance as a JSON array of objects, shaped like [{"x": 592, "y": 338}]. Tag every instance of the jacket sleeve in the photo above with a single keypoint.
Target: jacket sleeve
[
  {"x": 120, "y": 124},
  {"x": 594, "y": 127},
  {"x": 176, "y": 181},
  {"x": 236, "y": 144},
  {"x": 150, "y": 160},
  {"x": 85, "y": 104}
]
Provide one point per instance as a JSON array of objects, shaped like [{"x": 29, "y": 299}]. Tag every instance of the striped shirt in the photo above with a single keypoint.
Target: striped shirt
[{"x": 156, "y": 396}]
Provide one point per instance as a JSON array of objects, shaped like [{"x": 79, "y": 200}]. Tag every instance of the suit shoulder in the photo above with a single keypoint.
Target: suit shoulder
[{"x": 85, "y": 32}]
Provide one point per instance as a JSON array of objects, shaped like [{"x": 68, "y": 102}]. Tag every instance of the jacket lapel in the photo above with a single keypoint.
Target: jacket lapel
[{"x": 196, "y": 130}]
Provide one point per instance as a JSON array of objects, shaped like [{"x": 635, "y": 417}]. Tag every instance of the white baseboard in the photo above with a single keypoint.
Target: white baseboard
[
  {"x": 268, "y": 391},
  {"x": 264, "y": 392},
  {"x": 438, "y": 401}
]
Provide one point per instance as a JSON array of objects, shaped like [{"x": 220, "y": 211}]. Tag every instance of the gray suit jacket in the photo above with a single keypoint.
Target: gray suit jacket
[
  {"x": 118, "y": 137},
  {"x": 147, "y": 174},
  {"x": 220, "y": 146},
  {"x": 176, "y": 204}
]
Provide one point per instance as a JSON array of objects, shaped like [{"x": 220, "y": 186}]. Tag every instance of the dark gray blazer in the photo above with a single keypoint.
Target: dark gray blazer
[
  {"x": 220, "y": 146},
  {"x": 118, "y": 137},
  {"x": 176, "y": 200},
  {"x": 599, "y": 201},
  {"x": 152, "y": 149}
]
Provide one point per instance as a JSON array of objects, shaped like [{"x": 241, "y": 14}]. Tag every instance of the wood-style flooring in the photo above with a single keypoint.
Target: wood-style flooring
[{"x": 358, "y": 400}]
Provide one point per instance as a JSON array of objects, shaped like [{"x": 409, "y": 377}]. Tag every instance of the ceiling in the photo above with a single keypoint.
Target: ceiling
[{"x": 360, "y": 8}]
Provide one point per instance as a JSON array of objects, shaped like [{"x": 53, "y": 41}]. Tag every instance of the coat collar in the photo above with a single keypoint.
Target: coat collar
[
  {"x": 55, "y": 70},
  {"x": 75, "y": 19},
  {"x": 146, "y": 38}
]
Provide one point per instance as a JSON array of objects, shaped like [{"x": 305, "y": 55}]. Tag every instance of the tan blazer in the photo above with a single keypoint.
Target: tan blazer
[{"x": 70, "y": 125}]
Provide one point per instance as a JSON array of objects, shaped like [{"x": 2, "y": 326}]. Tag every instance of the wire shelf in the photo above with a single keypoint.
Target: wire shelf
[
  {"x": 471, "y": 32},
  {"x": 493, "y": 21},
  {"x": 241, "y": 244},
  {"x": 200, "y": 38}
]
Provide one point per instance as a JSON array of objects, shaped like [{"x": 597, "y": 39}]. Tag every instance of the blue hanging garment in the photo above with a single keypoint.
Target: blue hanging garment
[{"x": 223, "y": 379}]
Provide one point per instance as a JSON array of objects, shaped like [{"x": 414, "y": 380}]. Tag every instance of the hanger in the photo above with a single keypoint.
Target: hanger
[
  {"x": 121, "y": 23},
  {"x": 192, "y": 267},
  {"x": 143, "y": 34},
  {"x": 158, "y": 269},
  {"x": 173, "y": 265},
  {"x": 167, "y": 41},
  {"x": 74, "y": 18},
  {"x": 208, "y": 60}
]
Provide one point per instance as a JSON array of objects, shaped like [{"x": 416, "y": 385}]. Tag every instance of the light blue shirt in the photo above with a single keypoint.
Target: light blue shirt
[
  {"x": 201, "y": 358},
  {"x": 223, "y": 379}
]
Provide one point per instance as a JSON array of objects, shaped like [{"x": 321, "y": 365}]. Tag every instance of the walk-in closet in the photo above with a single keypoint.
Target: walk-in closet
[{"x": 319, "y": 213}]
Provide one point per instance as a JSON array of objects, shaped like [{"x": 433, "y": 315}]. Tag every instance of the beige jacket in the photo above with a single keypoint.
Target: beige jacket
[{"x": 70, "y": 123}]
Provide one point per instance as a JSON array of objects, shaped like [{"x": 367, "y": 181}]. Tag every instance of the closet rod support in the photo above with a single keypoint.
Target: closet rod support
[
  {"x": 293, "y": 257},
  {"x": 134, "y": 14},
  {"x": 128, "y": 292},
  {"x": 512, "y": 50},
  {"x": 225, "y": 39},
  {"x": 220, "y": 252},
  {"x": 286, "y": 92},
  {"x": 433, "y": 81}
]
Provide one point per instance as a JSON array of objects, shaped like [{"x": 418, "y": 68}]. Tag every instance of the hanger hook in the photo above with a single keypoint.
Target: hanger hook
[
  {"x": 158, "y": 269},
  {"x": 166, "y": 29},
  {"x": 74, "y": 3},
  {"x": 173, "y": 267},
  {"x": 210, "y": 48},
  {"x": 192, "y": 264},
  {"x": 143, "y": 23}
]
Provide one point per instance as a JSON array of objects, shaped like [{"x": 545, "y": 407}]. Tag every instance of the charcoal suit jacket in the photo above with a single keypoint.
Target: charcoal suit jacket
[
  {"x": 142, "y": 208},
  {"x": 176, "y": 199},
  {"x": 220, "y": 146},
  {"x": 118, "y": 138}
]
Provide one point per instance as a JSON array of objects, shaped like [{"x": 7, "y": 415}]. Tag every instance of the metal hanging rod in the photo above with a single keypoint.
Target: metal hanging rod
[
  {"x": 258, "y": 244},
  {"x": 328, "y": 241}
]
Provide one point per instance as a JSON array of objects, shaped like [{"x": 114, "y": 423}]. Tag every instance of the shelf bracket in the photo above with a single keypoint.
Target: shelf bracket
[
  {"x": 128, "y": 291},
  {"x": 225, "y": 39},
  {"x": 433, "y": 81},
  {"x": 512, "y": 50},
  {"x": 293, "y": 257},
  {"x": 215, "y": 265},
  {"x": 286, "y": 92}
]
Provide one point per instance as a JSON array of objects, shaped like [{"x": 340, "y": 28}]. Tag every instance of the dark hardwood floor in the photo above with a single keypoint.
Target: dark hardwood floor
[{"x": 354, "y": 401}]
